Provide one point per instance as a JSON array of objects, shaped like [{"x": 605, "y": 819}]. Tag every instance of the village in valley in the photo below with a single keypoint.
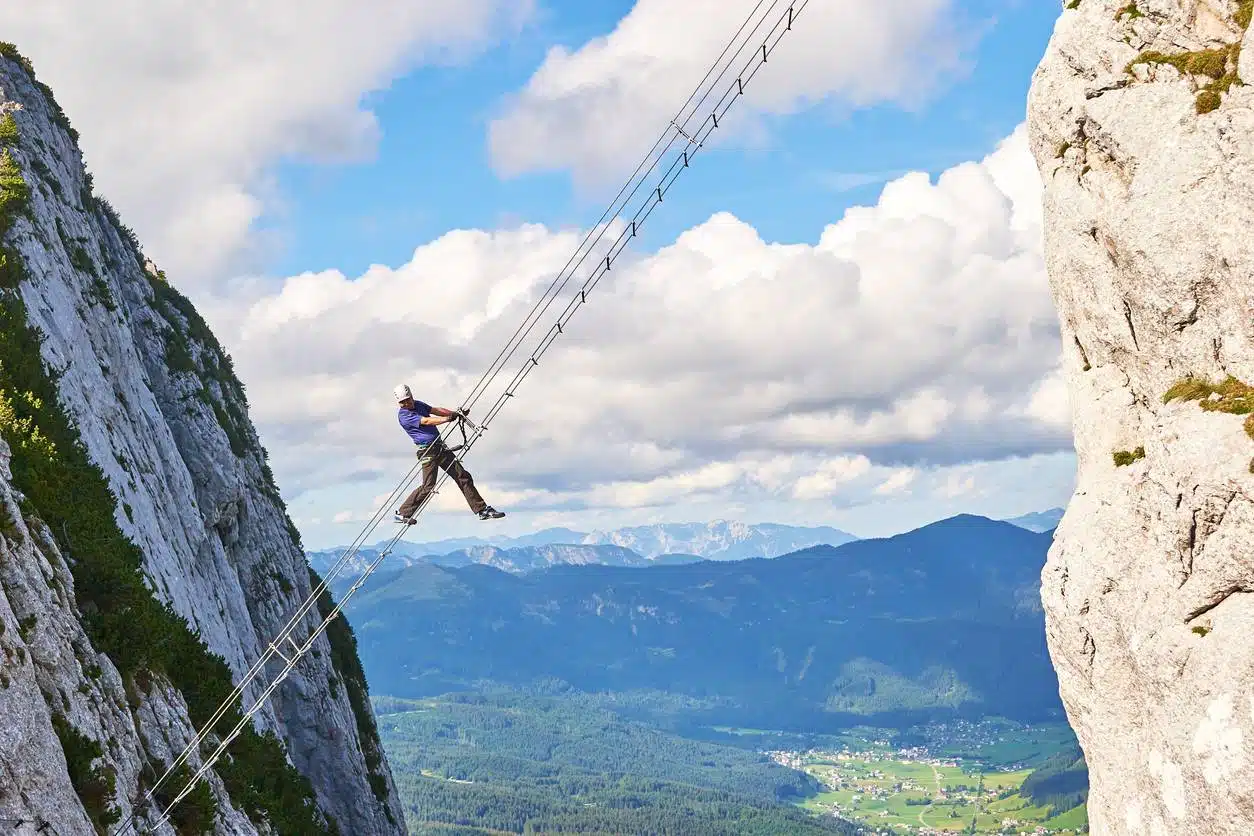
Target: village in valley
[{"x": 924, "y": 791}]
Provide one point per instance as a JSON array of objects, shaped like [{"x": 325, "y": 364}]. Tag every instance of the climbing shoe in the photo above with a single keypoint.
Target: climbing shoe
[
  {"x": 490, "y": 513},
  {"x": 397, "y": 518}
]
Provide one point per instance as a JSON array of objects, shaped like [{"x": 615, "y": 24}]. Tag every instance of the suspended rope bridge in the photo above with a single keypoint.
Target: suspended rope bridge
[{"x": 670, "y": 155}]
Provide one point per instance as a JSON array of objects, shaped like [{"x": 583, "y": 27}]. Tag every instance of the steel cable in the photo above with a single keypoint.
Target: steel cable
[{"x": 695, "y": 140}]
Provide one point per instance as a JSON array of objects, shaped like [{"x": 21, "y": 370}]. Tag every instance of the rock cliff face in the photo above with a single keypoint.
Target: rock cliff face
[
  {"x": 136, "y": 507},
  {"x": 1144, "y": 136}
]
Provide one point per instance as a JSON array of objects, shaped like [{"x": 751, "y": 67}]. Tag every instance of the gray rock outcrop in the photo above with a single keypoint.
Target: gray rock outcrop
[
  {"x": 1144, "y": 136},
  {"x": 157, "y": 408}
]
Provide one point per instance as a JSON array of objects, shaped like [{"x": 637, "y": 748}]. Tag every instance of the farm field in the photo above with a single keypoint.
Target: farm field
[
  {"x": 927, "y": 789},
  {"x": 921, "y": 798}
]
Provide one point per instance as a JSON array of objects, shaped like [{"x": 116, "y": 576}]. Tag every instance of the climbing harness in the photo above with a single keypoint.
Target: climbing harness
[
  {"x": 462, "y": 421},
  {"x": 694, "y": 134},
  {"x": 424, "y": 452}
]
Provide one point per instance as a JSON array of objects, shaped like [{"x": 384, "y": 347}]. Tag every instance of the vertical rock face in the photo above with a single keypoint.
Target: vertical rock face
[
  {"x": 90, "y": 699},
  {"x": 1144, "y": 136}
]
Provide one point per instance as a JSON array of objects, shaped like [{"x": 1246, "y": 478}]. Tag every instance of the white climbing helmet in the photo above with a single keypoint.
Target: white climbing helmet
[{"x": 402, "y": 392}]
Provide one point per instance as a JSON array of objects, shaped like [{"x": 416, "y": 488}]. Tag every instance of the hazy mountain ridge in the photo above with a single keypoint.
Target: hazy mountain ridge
[
  {"x": 870, "y": 627},
  {"x": 532, "y": 558},
  {"x": 720, "y": 539},
  {"x": 1039, "y": 521},
  {"x": 632, "y": 546}
]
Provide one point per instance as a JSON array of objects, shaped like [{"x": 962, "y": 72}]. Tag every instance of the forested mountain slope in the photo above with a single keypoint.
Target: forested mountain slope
[{"x": 145, "y": 553}]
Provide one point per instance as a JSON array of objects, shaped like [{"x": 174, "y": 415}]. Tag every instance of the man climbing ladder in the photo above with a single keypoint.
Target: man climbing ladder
[{"x": 420, "y": 420}]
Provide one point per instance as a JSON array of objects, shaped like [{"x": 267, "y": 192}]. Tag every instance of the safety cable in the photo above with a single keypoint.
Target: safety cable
[
  {"x": 598, "y": 228},
  {"x": 681, "y": 160},
  {"x": 272, "y": 649},
  {"x": 707, "y": 126},
  {"x": 486, "y": 379},
  {"x": 695, "y": 140}
]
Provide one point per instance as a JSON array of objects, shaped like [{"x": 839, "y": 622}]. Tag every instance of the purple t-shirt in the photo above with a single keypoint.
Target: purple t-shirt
[{"x": 409, "y": 418}]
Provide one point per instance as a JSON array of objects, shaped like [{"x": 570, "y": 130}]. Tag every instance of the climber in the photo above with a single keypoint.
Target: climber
[{"x": 420, "y": 420}]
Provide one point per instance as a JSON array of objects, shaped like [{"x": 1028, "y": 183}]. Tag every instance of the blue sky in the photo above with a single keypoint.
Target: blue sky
[
  {"x": 889, "y": 366},
  {"x": 432, "y": 171}
]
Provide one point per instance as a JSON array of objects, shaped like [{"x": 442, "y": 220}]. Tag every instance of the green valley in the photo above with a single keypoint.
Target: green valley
[
  {"x": 502, "y": 760},
  {"x": 508, "y": 762},
  {"x": 895, "y": 686}
]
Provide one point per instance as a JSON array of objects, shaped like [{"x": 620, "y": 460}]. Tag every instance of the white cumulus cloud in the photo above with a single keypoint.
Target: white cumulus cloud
[
  {"x": 917, "y": 333},
  {"x": 898, "y": 482},
  {"x": 183, "y": 105},
  {"x": 830, "y": 476},
  {"x": 598, "y": 108}
]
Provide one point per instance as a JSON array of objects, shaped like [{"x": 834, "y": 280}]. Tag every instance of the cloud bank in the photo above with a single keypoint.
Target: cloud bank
[
  {"x": 184, "y": 106},
  {"x": 915, "y": 333},
  {"x": 597, "y": 109}
]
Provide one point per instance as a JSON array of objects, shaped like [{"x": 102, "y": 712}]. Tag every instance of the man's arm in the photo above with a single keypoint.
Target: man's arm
[
  {"x": 435, "y": 419},
  {"x": 439, "y": 410}
]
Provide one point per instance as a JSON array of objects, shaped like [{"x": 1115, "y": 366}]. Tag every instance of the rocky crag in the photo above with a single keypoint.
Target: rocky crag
[
  {"x": 1141, "y": 118},
  {"x": 145, "y": 553}
]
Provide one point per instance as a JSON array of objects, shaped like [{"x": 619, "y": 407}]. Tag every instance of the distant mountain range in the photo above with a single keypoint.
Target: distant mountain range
[
  {"x": 945, "y": 618},
  {"x": 644, "y": 545},
  {"x": 1039, "y": 520},
  {"x": 529, "y": 558},
  {"x": 719, "y": 540}
]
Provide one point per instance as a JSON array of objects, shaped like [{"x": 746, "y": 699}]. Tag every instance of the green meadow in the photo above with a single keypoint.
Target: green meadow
[{"x": 959, "y": 781}]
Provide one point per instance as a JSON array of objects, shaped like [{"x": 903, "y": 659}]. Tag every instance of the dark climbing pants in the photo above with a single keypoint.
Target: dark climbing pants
[{"x": 437, "y": 455}]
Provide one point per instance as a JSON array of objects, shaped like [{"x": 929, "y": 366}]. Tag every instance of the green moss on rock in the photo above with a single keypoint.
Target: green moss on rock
[
  {"x": 1232, "y": 395},
  {"x": 14, "y": 192},
  {"x": 10, "y": 531},
  {"x": 1208, "y": 62},
  {"x": 196, "y": 814},
  {"x": 12, "y": 273},
  {"x": 1219, "y": 65},
  {"x": 8, "y": 50},
  {"x": 1123, "y": 458},
  {"x": 210, "y": 362},
  {"x": 128, "y": 235},
  {"x": 1207, "y": 100},
  {"x": 98, "y": 293}
]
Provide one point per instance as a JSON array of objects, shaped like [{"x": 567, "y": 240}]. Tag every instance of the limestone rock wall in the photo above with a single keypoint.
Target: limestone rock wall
[
  {"x": 1143, "y": 133},
  {"x": 160, "y": 412}
]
